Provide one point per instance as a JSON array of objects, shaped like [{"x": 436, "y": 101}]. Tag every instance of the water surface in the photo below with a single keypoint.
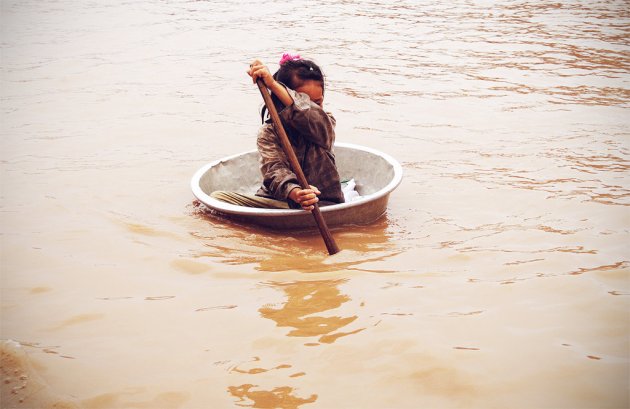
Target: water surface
[{"x": 497, "y": 278}]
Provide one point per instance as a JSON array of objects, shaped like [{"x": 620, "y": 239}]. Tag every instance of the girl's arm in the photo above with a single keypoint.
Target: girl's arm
[
  {"x": 309, "y": 120},
  {"x": 278, "y": 179},
  {"x": 300, "y": 113},
  {"x": 258, "y": 70}
]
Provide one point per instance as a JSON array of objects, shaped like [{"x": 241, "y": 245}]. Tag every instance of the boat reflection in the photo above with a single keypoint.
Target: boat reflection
[{"x": 274, "y": 251}]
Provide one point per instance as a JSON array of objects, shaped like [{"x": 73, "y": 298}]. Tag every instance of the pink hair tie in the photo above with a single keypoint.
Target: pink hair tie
[{"x": 289, "y": 57}]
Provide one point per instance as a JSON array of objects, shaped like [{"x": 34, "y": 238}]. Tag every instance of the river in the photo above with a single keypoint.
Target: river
[{"x": 498, "y": 278}]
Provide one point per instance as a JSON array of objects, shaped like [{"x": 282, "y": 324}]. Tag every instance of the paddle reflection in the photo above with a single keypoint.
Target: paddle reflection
[{"x": 306, "y": 299}]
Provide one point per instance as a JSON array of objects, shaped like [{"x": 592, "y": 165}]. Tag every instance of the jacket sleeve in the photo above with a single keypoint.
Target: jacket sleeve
[
  {"x": 309, "y": 120},
  {"x": 278, "y": 179}
]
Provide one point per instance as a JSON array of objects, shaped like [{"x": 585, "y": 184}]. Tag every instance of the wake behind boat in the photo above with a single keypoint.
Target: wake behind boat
[{"x": 376, "y": 175}]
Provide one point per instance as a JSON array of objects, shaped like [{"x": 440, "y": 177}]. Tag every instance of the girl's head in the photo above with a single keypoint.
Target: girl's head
[
  {"x": 302, "y": 76},
  {"x": 295, "y": 71}
]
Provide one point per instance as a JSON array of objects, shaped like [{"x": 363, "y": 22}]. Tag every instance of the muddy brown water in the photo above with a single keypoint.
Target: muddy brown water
[{"x": 497, "y": 278}]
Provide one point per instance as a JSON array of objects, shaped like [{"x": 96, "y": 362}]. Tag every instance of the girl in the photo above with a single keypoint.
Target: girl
[{"x": 297, "y": 90}]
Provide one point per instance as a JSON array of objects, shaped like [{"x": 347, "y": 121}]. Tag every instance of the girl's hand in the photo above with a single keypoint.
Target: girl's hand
[
  {"x": 258, "y": 70},
  {"x": 305, "y": 197}
]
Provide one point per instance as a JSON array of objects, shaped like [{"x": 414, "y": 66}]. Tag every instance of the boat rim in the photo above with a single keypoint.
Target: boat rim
[{"x": 242, "y": 210}]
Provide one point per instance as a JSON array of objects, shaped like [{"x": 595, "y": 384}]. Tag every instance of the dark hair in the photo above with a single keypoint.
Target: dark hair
[{"x": 293, "y": 74}]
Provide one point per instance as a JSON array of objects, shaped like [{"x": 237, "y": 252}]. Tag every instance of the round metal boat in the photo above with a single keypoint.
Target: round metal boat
[{"x": 376, "y": 175}]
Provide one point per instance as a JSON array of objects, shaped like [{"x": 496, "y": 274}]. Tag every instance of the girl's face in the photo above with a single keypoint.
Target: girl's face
[{"x": 314, "y": 90}]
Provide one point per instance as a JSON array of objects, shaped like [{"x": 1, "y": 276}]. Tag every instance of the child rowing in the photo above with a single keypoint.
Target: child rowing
[{"x": 297, "y": 90}]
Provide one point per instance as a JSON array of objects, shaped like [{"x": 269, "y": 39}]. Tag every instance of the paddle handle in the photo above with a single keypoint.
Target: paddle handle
[{"x": 331, "y": 246}]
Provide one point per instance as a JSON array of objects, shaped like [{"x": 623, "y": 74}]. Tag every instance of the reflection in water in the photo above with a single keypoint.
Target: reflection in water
[
  {"x": 302, "y": 312},
  {"x": 277, "y": 397},
  {"x": 620, "y": 268},
  {"x": 281, "y": 397},
  {"x": 274, "y": 251},
  {"x": 258, "y": 370},
  {"x": 306, "y": 298}
]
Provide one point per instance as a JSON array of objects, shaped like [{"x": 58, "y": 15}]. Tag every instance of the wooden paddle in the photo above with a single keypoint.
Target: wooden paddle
[{"x": 295, "y": 166}]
